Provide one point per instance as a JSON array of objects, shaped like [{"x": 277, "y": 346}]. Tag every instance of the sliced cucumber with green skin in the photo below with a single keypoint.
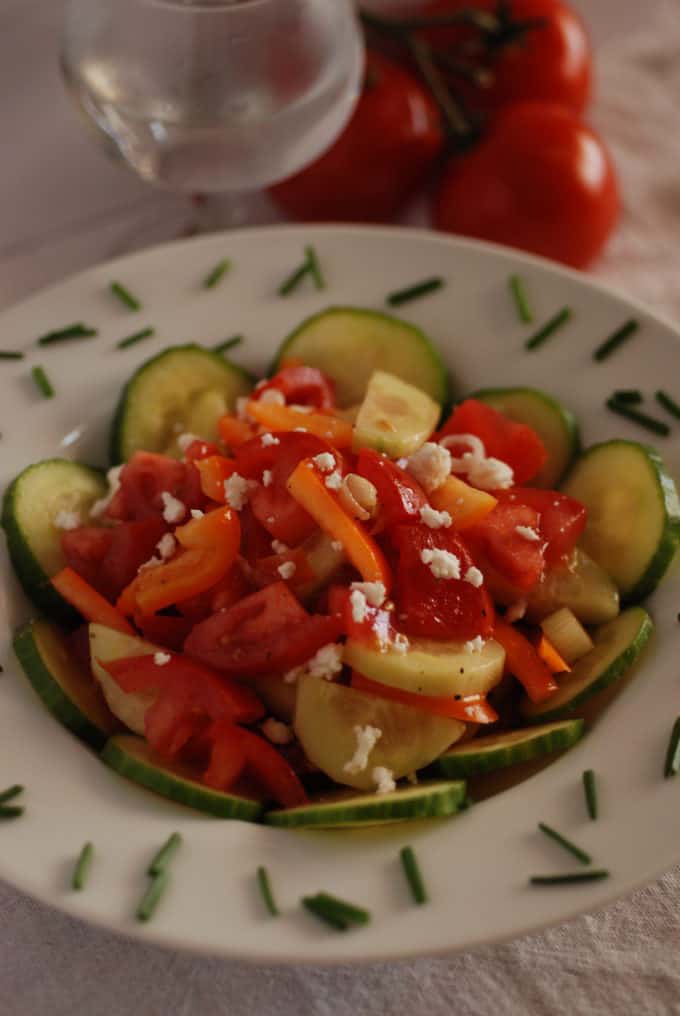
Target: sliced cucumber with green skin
[
  {"x": 29, "y": 507},
  {"x": 132, "y": 758},
  {"x": 498, "y": 751},
  {"x": 349, "y": 343},
  {"x": 425, "y": 800},
  {"x": 617, "y": 646},
  {"x": 184, "y": 388},
  {"x": 395, "y": 417},
  {"x": 68, "y": 691},
  {"x": 554, "y": 424},
  {"x": 633, "y": 524}
]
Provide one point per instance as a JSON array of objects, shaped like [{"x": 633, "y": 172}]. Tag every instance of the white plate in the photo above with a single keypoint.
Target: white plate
[{"x": 476, "y": 865}]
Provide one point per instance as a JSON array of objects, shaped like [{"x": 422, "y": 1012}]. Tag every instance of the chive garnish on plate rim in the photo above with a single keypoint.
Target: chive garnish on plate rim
[
  {"x": 42, "y": 381},
  {"x": 413, "y": 292},
  {"x": 136, "y": 337},
  {"x": 579, "y": 854},
  {"x": 266, "y": 893},
  {"x": 519, "y": 293},
  {"x": 82, "y": 868},
  {"x": 549, "y": 328},
  {"x": 633, "y": 396},
  {"x": 75, "y": 331},
  {"x": 150, "y": 899},
  {"x": 292, "y": 281},
  {"x": 413, "y": 874},
  {"x": 672, "y": 763},
  {"x": 335, "y": 911},
  {"x": 570, "y": 877},
  {"x": 649, "y": 422},
  {"x": 11, "y": 354},
  {"x": 314, "y": 267},
  {"x": 164, "y": 854},
  {"x": 668, "y": 403},
  {"x": 217, "y": 273},
  {"x": 590, "y": 791},
  {"x": 125, "y": 296},
  {"x": 11, "y": 793},
  {"x": 222, "y": 347},
  {"x": 10, "y": 811},
  {"x": 617, "y": 338}
]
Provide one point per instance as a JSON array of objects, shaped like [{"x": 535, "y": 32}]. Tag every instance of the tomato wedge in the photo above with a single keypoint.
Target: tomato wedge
[
  {"x": 514, "y": 443},
  {"x": 302, "y": 386},
  {"x": 471, "y": 709},
  {"x": 400, "y": 497}
]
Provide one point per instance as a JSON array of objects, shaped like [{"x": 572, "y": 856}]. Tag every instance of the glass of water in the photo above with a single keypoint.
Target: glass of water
[{"x": 214, "y": 96}]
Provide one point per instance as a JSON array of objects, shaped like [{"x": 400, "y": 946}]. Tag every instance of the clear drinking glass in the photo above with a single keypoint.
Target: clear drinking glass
[{"x": 214, "y": 96}]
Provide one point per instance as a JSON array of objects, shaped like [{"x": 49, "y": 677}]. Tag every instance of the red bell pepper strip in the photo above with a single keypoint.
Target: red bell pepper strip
[
  {"x": 88, "y": 601},
  {"x": 471, "y": 709},
  {"x": 524, "y": 663}
]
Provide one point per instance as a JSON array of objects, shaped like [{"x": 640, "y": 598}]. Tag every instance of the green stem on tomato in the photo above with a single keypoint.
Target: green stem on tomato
[{"x": 455, "y": 121}]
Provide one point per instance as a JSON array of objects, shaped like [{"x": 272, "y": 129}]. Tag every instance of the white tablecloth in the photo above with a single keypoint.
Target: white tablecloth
[{"x": 62, "y": 207}]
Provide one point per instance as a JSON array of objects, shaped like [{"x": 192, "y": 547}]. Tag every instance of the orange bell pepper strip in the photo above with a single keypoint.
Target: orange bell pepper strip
[
  {"x": 91, "y": 604},
  {"x": 308, "y": 488},
  {"x": 211, "y": 545},
  {"x": 214, "y": 471},
  {"x": 523, "y": 661},
  {"x": 471, "y": 709},
  {"x": 276, "y": 417},
  {"x": 551, "y": 657},
  {"x": 465, "y": 504},
  {"x": 235, "y": 432}
]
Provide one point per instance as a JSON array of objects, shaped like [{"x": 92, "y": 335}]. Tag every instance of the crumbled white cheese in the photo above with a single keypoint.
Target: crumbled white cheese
[
  {"x": 161, "y": 659},
  {"x": 270, "y": 520},
  {"x": 325, "y": 462},
  {"x": 383, "y": 779},
  {"x": 166, "y": 546},
  {"x": 482, "y": 472},
  {"x": 276, "y": 732},
  {"x": 326, "y": 662},
  {"x": 430, "y": 465},
  {"x": 286, "y": 570},
  {"x": 474, "y": 577},
  {"x": 274, "y": 396},
  {"x": 236, "y": 489},
  {"x": 367, "y": 738},
  {"x": 359, "y": 606},
  {"x": 374, "y": 592},
  {"x": 196, "y": 513},
  {"x": 400, "y": 643},
  {"x": 267, "y": 478},
  {"x": 442, "y": 563},
  {"x": 173, "y": 509},
  {"x": 279, "y": 547},
  {"x": 113, "y": 479},
  {"x": 528, "y": 533},
  {"x": 402, "y": 463},
  {"x": 184, "y": 440},
  {"x": 334, "y": 480},
  {"x": 268, "y": 440},
  {"x": 434, "y": 519},
  {"x": 153, "y": 562},
  {"x": 66, "y": 520},
  {"x": 516, "y": 611},
  {"x": 337, "y": 546},
  {"x": 474, "y": 645}
]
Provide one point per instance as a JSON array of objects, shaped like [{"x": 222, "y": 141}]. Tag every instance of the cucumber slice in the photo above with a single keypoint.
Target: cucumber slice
[
  {"x": 70, "y": 694},
  {"x": 349, "y": 343},
  {"x": 326, "y": 715},
  {"x": 633, "y": 513},
  {"x": 106, "y": 644},
  {"x": 617, "y": 645},
  {"x": 29, "y": 507},
  {"x": 132, "y": 758},
  {"x": 430, "y": 667},
  {"x": 185, "y": 388},
  {"x": 426, "y": 800},
  {"x": 497, "y": 751},
  {"x": 581, "y": 585},
  {"x": 554, "y": 424},
  {"x": 395, "y": 417}
]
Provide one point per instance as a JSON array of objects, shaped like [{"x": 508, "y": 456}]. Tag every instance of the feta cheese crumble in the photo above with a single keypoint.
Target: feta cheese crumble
[
  {"x": 161, "y": 659},
  {"x": 516, "y": 611},
  {"x": 374, "y": 592},
  {"x": 430, "y": 465},
  {"x": 442, "y": 563},
  {"x": 184, "y": 440},
  {"x": 173, "y": 509},
  {"x": 474, "y": 577},
  {"x": 367, "y": 738},
  {"x": 113, "y": 479},
  {"x": 286, "y": 570},
  {"x": 334, "y": 480},
  {"x": 276, "y": 732},
  {"x": 196, "y": 513},
  {"x": 474, "y": 645},
  {"x": 279, "y": 547},
  {"x": 166, "y": 546},
  {"x": 325, "y": 664},
  {"x": 325, "y": 461},
  {"x": 236, "y": 489},
  {"x": 267, "y": 478},
  {"x": 383, "y": 779},
  {"x": 400, "y": 643},
  {"x": 359, "y": 606},
  {"x": 434, "y": 519},
  {"x": 482, "y": 472},
  {"x": 66, "y": 520},
  {"x": 268, "y": 440},
  {"x": 528, "y": 533}
]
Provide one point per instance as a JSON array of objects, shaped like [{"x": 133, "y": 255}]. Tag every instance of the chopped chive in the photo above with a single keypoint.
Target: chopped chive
[
  {"x": 415, "y": 291},
  {"x": 11, "y": 793},
  {"x": 151, "y": 897},
  {"x": 594, "y": 875},
  {"x": 82, "y": 868},
  {"x": 413, "y": 874},
  {"x": 213, "y": 277},
  {"x": 672, "y": 764},
  {"x": 42, "y": 381},
  {"x": 564, "y": 842},
  {"x": 312, "y": 904},
  {"x": 10, "y": 811},
  {"x": 334, "y": 911},
  {"x": 76, "y": 331},
  {"x": 130, "y": 340},
  {"x": 630, "y": 395},
  {"x": 222, "y": 347},
  {"x": 164, "y": 855},
  {"x": 125, "y": 296},
  {"x": 314, "y": 267},
  {"x": 549, "y": 328},
  {"x": 590, "y": 790},
  {"x": 668, "y": 403},
  {"x": 519, "y": 293},
  {"x": 615, "y": 340},
  {"x": 8, "y": 354},
  {"x": 657, "y": 426},
  {"x": 266, "y": 891},
  {"x": 294, "y": 279}
]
